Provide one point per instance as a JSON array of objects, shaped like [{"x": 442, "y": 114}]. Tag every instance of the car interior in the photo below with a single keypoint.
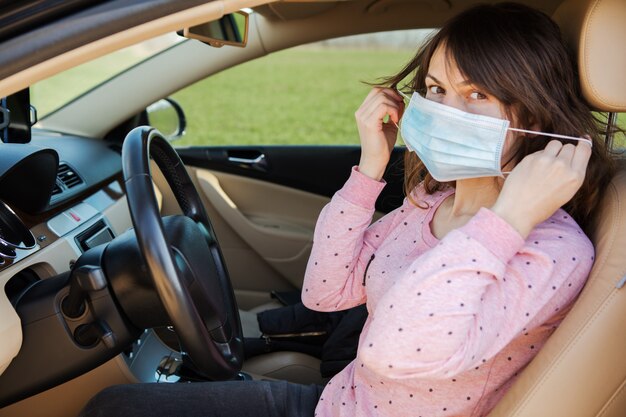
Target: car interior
[{"x": 101, "y": 220}]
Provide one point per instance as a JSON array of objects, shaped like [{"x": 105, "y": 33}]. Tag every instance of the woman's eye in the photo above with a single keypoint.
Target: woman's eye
[
  {"x": 435, "y": 89},
  {"x": 477, "y": 95}
]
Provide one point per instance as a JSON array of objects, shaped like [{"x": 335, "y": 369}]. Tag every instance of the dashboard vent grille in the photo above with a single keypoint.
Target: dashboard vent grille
[
  {"x": 68, "y": 176},
  {"x": 66, "y": 179}
]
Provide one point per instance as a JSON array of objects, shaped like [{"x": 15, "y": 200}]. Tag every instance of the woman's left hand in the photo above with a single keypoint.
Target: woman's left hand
[{"x": 541, "y": 183}]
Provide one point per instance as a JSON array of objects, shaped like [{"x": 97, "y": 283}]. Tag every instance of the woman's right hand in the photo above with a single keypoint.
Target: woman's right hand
[{"x": 378, "y": 138}]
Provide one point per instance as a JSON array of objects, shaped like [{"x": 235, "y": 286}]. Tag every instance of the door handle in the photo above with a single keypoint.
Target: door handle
[{"x": 259, "y": 163}]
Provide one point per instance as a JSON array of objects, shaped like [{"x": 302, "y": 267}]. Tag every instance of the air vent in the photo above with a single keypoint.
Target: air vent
[
  {"x": 67, "y": 176},
  {"x": 66, "y": 179}
]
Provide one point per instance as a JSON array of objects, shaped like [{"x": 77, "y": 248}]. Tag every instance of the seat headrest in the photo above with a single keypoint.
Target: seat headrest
[{"x": 596, "y": 30}]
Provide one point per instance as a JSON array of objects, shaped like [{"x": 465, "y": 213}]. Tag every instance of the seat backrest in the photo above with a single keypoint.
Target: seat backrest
[{"x": 581, "y": 371}]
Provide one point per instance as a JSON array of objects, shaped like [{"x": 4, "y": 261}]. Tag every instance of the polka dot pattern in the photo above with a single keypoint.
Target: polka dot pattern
[{"x": 426, "y": 289}]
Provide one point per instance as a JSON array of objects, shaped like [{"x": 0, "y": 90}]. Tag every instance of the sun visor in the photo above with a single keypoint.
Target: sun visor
[{"x": 27, "y": 176}]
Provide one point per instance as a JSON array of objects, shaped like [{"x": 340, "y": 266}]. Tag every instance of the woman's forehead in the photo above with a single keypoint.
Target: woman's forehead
[{"x": 443, "y": 68}]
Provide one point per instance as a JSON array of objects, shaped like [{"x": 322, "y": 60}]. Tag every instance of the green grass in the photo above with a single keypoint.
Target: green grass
[
  {"x": 620, "y": 138},
  {"x": 299, "y": 96}
]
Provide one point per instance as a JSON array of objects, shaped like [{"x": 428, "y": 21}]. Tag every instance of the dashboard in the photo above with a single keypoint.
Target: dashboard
[
  {"x": 61, "y": 196},
  {"x": 84, "y": 207}
]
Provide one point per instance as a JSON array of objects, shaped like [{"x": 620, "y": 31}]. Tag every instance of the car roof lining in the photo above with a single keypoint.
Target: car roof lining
[{"x": 23, "y": 16}]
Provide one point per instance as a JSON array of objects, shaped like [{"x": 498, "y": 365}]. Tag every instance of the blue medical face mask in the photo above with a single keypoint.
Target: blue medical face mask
[{"x": 454, "y": 144}]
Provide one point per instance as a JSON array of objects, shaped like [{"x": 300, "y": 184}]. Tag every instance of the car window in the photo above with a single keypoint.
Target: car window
[
  {"x": 306, "y": 95},
  {"x": 620, "y": 138},
  {"x": 54, "y": 92}
]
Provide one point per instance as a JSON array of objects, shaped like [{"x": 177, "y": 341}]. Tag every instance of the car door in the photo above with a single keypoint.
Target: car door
[
  {"x": 269, "y": 142},
  {"x": 264, "y": 202}
]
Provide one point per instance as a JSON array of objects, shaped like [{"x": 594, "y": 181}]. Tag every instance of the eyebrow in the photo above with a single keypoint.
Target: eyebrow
[{"x": 461, "y": 84}]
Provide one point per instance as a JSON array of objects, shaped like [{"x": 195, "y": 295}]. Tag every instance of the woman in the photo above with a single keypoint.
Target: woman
[{"x": 467, "y": 279}]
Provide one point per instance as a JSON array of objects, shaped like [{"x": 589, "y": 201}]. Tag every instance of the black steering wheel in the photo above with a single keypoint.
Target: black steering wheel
[{"x": 183, "y": 257}]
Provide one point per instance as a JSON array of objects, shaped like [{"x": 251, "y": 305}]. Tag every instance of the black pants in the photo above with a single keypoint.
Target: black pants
[{"x": 206, "y": 399}]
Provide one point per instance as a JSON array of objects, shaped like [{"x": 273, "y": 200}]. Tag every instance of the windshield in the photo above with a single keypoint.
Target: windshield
[{"x": 54, "y": 92}]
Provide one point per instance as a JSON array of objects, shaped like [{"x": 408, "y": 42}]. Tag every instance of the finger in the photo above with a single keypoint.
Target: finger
[
  {"x": 400, "y": 105},
  {"x": 393, "y": 112},
  {"x": 376, "y": 108},
  {"x": 370, "y": 102},
  {"x": 374, "y": 91},
  {"x": 373, "y": 101},
  {"x": 393, "y": 94},
  {"x": 582, "y": 153},
  {"x": 400, "y": 115},
  {"x": 377, "y": 92},
  {"x": 384, "y": 98},
  {"x": 383, "y": 109},
  {"x": 566, "y": 153},
  {"x": 552, "y": 148}
]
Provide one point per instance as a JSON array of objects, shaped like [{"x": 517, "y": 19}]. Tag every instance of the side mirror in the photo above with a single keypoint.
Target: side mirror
[
  {"x": 231, "y": 29},
  {"x": 168, "y": 117}
]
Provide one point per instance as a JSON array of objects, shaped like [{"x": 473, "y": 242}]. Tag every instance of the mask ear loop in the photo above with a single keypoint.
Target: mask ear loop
[
  {"x": 406, "y": 98},
  {"x": 404, "y": 95},
  {"x": 553, "y": 135}
]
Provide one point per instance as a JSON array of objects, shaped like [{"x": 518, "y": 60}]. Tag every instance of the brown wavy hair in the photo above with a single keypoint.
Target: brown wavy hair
[{"x": 517, "y": 55}]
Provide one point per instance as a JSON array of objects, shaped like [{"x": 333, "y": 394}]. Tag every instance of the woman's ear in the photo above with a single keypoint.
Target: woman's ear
[
  {"x": 535, "y": 126},
  {"x": 531, "y": 122}
]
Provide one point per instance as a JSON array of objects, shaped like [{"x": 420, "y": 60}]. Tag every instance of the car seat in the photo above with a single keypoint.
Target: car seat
[
  {"x": 581, "y": 370},
  {"x": 290, "y": 366}
]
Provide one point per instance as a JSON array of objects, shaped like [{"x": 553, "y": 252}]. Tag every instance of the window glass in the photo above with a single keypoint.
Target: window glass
[
  {"x": 304, "y": 95},
  {"x": 58, "y": 90},
  {"x": 619, "y": 141}
]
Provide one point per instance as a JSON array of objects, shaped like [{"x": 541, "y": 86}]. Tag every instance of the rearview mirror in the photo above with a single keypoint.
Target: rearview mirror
[{"x": 231, "y": 29}]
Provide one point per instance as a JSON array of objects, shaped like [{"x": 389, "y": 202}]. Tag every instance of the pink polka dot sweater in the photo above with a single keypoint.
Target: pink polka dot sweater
[{"x": 451, "y": 322}]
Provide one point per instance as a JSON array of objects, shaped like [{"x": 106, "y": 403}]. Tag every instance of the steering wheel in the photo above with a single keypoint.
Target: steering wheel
[{"x": 183, "y": 257}]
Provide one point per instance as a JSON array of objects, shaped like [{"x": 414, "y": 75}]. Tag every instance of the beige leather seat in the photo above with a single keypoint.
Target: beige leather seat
[
  {"x": 581, "y": 371},
  {"x": 290, "y": 366}
]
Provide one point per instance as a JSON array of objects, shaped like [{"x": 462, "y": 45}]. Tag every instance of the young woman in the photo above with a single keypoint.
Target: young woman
[{"x": 468, "y": 278}]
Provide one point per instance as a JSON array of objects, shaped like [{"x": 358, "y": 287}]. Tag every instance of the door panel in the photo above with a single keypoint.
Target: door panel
[
  {"x": 265, "y": 215},
  {"x": 275, "y": 221},
  {"x": 320, "y": 170}
]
